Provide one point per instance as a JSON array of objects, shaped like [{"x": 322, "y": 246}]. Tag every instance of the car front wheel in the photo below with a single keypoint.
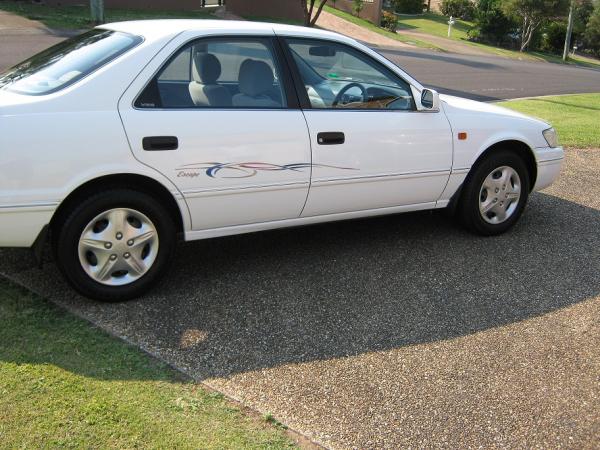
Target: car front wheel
[
  {"x": 495, "y": 194},
  {"x": 115, "y": 245}
]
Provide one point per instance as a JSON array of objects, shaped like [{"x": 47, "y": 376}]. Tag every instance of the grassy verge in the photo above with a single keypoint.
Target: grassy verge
[
  {"x": 437, "y": 25},
  {"x": 64, "y": 383},
  {"x": 78, "y": 17},
  {"x": 575, "y": 117},
  {"x": 369, "y": 26}
]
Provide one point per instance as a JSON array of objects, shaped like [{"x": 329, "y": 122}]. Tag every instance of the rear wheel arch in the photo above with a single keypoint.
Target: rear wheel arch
[{"x": 129, "y": 181}]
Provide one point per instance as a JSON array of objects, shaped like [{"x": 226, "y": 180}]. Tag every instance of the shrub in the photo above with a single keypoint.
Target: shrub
[
  {"x": 463, "y": 9},
  {"x": 553, "y": 37},
  {"x": 389, "y": 21},
  {"x": 491, "y": 24},
  {"x": 409, "y": 6},
  {"x": 357, "y": 6}
]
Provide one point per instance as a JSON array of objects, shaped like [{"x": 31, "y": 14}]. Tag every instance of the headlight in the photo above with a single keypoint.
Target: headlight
[{"x": 551, "y": 137}]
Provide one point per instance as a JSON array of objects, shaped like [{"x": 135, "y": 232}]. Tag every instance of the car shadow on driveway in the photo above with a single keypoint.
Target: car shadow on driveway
[{"x": 249, "y": 302}]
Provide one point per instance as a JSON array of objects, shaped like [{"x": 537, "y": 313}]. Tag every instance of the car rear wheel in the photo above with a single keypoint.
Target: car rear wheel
[
  {"x": 115, "y": 245},
  {"x": 495, "y": 194}
]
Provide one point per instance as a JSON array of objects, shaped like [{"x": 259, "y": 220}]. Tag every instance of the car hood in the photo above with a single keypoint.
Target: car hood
[{"x": 457, "y": 104}]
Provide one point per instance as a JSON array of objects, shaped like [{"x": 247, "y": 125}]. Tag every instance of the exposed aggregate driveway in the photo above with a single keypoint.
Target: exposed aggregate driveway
[{"x": 389, "y": 332}]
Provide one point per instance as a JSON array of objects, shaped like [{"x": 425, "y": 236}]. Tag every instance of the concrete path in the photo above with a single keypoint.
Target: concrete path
[
  {"x": 331, "y": 22},
  {"x": 20, "y": 38},
  {"x": 13, "y": 23}
]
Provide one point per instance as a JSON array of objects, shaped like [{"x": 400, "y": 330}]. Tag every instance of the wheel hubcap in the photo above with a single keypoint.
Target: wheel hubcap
[
  {"x": 118, "y": 247},
  {"x": 499, "y": 195}
]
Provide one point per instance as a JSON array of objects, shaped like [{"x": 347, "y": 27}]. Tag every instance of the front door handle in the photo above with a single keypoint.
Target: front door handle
[
  {"x": 160, "y": 143},
  {"x": 331, "y": 138}
]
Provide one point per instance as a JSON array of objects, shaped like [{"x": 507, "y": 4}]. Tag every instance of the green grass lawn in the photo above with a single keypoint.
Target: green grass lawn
[
  {"x": 65, "y": 383},
  {"x": 435, "y": 24},
  {"x": 576, "y": 118},
  {"x": 78, "y": 17},
  {"x": 369, "y": 26}
]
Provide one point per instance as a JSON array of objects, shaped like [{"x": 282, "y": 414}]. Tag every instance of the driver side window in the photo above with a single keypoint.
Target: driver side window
[{"x": 338, "y": 76}]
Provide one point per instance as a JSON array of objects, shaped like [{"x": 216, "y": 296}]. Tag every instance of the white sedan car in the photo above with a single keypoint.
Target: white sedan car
[{"x": 117, "y": 141}]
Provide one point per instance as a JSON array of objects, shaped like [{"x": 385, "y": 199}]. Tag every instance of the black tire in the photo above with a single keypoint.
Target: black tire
[
  {"x": 66, "y": 242},
  {"x": 468, "y": 207}
]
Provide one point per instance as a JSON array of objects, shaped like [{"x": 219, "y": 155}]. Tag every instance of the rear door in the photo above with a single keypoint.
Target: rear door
[{"x": 219, "y": 118}]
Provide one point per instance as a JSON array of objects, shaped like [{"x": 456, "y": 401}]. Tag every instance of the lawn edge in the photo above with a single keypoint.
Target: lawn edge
[
  {"x": 300, "y": 439},
  {"x": 541, "y": 96}
]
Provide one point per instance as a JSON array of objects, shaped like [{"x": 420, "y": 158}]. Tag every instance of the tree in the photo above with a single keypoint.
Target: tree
[
  {"x": 310, "y": 15},
  {"x": 97, "y": 11},
  {"x": 592, "y": 31},
  {"x": 533, "y": 13},
  {"x": 491, "y": 24}
]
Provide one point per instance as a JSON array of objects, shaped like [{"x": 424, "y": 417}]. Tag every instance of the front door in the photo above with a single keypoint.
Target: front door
[
  {"x": 220, "y": 122},
  {"x": 371, "y": 148}
]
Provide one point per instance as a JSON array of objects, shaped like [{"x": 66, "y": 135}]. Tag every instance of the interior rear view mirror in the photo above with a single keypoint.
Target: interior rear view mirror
[{"x": 322, "y": 50}]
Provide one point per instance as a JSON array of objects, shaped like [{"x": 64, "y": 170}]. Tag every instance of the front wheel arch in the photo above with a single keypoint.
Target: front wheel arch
[{"x": 520, "y": 148}]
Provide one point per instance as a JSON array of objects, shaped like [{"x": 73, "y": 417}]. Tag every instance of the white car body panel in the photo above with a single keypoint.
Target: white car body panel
[
  {"x": 393, "y": 161},
  {"x": 229, "y": 196},
  {"x": 389, "y": 158}
]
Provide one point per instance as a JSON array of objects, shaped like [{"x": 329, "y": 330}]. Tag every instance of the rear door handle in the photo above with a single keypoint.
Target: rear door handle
[
  {"x": 331, "y": 138},
  {"x": 160, "y": 143}
]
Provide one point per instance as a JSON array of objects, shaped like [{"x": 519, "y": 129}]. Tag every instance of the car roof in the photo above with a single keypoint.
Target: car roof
[{"x": 155, "y": 29}]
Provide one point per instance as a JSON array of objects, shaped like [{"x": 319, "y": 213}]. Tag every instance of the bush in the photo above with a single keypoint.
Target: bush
[
  {"x": 553, "y": 37},
  {"x": 463, "y": 9},
  {"x": 389, "y": 21},
  {"x": 409, "y": 6},
  {"x": 357, "y": 6},
  {"x": 492, "y": 26}
]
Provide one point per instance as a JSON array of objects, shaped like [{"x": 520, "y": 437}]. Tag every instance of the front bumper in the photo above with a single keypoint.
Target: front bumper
[
  {"x": 549, "y": 164},
  {"x": 20, "y": 225}
]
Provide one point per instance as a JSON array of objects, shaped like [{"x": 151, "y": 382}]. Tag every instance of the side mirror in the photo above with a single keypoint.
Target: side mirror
[{"x": 430, "y": 100}]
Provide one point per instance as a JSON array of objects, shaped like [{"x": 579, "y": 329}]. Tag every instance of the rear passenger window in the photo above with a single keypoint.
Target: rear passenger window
[{"x": 218, "y": 73}]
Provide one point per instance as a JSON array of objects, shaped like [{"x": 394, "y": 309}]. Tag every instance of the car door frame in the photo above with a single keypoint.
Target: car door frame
[{"x": 382, "y": 64}]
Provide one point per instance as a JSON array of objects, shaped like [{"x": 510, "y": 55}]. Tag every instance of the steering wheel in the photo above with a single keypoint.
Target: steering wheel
[{"x": 346, "y": 88}]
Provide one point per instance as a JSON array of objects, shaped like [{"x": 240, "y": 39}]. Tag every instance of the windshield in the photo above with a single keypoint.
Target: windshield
[{"x": 67, "y": 62}]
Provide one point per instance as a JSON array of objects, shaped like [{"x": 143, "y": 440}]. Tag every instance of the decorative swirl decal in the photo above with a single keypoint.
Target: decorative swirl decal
[{"x": 245, "y": 169}]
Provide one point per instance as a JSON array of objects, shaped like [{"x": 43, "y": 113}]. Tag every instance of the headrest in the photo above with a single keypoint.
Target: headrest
[
  {"x": 256, "y": 78},
  {"x": 207, "y": 68}
]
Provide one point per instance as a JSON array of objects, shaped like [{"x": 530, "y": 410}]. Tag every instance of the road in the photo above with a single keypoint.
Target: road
[
  {"x": 489, "y": 78},
  {"x": 476, "y": 77}
]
